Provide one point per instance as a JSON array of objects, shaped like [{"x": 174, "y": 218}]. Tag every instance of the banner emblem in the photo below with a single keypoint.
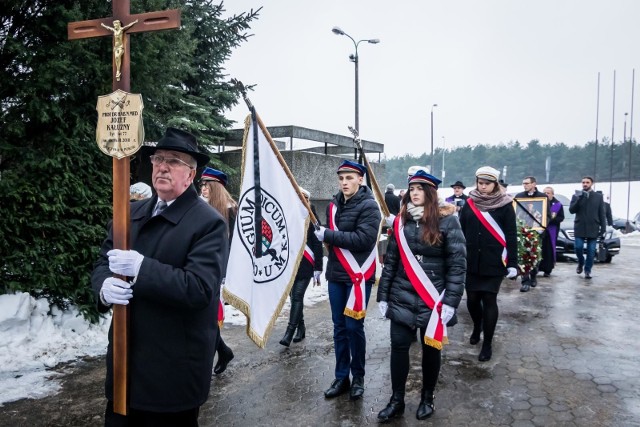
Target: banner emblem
[{"x": 275, "y": 235}]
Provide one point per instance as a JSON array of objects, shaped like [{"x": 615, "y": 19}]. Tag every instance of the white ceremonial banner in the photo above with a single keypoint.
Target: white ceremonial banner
[{"x": 259, "y": 286}]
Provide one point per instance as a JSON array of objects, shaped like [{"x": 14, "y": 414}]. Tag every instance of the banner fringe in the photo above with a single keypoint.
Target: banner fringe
[
  {"x": 355, "y": 314},
  {"x": 435, "y": 343}
]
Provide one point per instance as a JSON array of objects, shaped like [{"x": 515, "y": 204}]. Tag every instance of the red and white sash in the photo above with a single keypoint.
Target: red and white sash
[
  {"x": 220, "y": 309},
  {"x": 308, "y": 254},
  {"x": 492, "y": 226},
  {"x": 356, "y": 306},
  {"x": 436, "y": 333}
]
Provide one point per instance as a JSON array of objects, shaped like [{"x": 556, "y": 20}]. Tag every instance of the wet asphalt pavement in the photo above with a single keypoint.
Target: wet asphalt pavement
[{"x": 567, "y": 353}]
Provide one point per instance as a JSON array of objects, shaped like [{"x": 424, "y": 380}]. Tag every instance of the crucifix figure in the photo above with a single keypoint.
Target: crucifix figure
[
  {"x": 118, "y": 45},
  {"x": 150, "y": 21}
]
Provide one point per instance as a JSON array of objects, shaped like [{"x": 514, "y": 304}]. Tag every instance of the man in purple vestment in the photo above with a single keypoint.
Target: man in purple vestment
[{"x": 553, "y": 226}]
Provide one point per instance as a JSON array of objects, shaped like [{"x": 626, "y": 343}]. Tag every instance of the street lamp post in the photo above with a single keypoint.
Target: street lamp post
[
  {"x": 431, "y": 167},
  {"x": 354, "y": 58},
  {"x": 443, "y": 153}
]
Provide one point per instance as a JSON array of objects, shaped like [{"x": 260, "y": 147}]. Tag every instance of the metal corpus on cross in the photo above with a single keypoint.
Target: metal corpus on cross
[{"x": 120, "y": 25}]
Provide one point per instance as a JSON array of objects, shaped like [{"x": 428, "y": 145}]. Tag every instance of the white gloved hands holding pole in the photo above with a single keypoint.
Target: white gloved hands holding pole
[
  {"x": 390, "y": 220},
  {"x": 124, "y": 263},
  {"x": 316, "y": 277},
  {"x": 320, "y": 233},
  {"x": 382, "y": 306},
  {"x": 511, "y": 273},
  {"x": 447, "y": 313},
  {"x": 115, "y": 291}
]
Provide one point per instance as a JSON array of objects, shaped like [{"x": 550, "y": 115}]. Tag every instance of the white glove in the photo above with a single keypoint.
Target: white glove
[
  {"x": 115, "y": 291},
  {"x": 316, "y": 276},
  {"x": 320, "y": 233},
  {"x": 447, "y": 313},
  {"x": 125, "y": 263},
  {"x": 390, "y": 220},
  {"x": 511, "y": 273},
  {"x": 382, "y": 306}
]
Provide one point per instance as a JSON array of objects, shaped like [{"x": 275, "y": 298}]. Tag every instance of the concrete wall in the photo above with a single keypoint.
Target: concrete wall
[{"x": 313, "y": 171}]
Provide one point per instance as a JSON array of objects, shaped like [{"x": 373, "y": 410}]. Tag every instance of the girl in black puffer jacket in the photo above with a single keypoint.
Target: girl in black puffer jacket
[{"x": 432, "y": 235}]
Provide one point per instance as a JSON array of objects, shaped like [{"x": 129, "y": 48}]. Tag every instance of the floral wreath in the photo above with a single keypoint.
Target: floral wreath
[{"x": 529, "y": 248}]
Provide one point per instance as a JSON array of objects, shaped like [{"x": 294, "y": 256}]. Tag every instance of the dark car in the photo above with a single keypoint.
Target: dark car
[
  {"x": 565, "y": 246},
  {"x": 620, "y": 224}
]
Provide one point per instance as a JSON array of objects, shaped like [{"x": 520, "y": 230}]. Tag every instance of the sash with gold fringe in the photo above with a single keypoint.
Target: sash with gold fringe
[
  {"x": 436, "y": 333},
  {"x": 492, "y": 227},
  {"x": 356, "y": 307}
]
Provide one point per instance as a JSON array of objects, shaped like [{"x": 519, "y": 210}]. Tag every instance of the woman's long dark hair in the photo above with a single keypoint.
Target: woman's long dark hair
[{"x": 431, "y": 216}]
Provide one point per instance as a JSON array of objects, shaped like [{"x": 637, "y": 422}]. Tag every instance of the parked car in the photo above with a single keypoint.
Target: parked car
[{"x": 565, "y": 246}]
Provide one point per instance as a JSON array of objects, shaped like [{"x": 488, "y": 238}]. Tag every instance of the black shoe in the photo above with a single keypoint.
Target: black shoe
[
  {"x": 224, "y": 357},
  {"x": 288, "y": 336},
  {"x": 587, "y": 275},
  {"x": 579, "y": 269},
  {"x": 475, "y": 337},
  {"x": 338, "y": 386},
  {"x": 357, "y": 388},
  {"x": 485, "y": 353},
  {"x": 300, "y": 332},
  {"x": 546, "y": 275},
  {"x": 534, "y": 282},
  {"x": 395, "y": 408},
  {"x": 426, "y": 407},
  {"x": 524, "y": 287}
]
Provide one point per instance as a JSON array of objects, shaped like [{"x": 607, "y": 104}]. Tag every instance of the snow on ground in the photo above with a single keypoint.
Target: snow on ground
[{"x": 35, "y": 337}]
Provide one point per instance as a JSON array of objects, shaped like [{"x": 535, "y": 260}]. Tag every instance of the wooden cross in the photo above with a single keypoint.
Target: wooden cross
[{"x": 143, "y": 22}]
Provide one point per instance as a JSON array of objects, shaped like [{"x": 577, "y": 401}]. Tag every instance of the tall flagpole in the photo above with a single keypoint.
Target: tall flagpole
[
  {"x": 613, "y": 122},
  {"x": 595, "y": 155},
  {"x": 633, "y": 78}
]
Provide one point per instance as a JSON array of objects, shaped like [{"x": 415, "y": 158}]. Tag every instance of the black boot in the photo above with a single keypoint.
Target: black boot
[
  {"x": 475, "y": 335},
  {"x": 426, "y": 407},
  {"x": 395, "y": 408},
  {"x": 485, "y": 353},
  {"x": 288, "y": 336},
  {"x": 300, "y": 332},
  {"x": 224, "y": 357}
]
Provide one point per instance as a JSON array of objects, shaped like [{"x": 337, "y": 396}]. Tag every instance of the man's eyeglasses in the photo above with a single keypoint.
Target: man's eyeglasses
[{"x": 172, "y": 162}]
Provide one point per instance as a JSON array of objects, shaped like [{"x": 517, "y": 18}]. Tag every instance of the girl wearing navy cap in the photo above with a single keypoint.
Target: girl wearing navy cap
[{"x": 421, "y": 285}]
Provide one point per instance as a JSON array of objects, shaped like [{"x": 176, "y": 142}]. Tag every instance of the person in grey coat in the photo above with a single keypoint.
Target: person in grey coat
[
  {"x": 434, "y": 237},
  {"x": 178, "y": 256},
  {"x": 589, "y": 225}
]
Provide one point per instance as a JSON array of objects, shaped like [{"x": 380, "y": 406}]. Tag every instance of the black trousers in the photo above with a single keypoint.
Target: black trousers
[
  {"x": 137, "y": 418},
  {"x": 401, "y": 338}
]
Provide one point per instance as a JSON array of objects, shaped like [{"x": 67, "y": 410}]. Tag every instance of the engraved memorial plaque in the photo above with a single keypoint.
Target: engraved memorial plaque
[{"x": 120, "y": 132}]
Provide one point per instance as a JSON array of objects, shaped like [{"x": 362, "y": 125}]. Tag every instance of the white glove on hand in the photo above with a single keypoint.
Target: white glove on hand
[
  {"x": 320, "y": 233},
  {"x": 390, "y": 220},
  {"x": 447, "y": 313},
  {"x": 316, "y": 276},
  {"x": 115, "y": 291},
  {"x": 511, "y": 273},
  {"x": 382, "y": 306},
  {"x": 125, "y": 263}
]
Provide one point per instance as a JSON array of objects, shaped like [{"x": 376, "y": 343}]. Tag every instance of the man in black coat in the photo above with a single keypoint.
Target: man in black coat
[
  {"x": 530, "y": 191},
  {"x": 392, "y": 201},
  {"x": 589, "y": 225},
  {"x": 353, "y": 217},
  {"x": 178, "y": 257}
]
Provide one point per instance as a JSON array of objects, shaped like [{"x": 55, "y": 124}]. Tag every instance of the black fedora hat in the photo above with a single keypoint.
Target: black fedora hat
[
  {"x": 178, "y": 140},
  {"x": 502, "y": 183},
  {"x": 458, "y": 184}
]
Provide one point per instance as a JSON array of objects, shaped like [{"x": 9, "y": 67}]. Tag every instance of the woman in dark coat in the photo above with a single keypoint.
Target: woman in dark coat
[
  {"x": 424, "y": 267},
  {"x": 488, "y": 221},
  {"x": 213, "y": 189}
]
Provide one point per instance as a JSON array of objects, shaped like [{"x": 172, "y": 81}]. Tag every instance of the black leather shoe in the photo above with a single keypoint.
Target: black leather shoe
[
  {"x": 485, "y": 354},
  {"x": 338, "y": 386},
  {"x": 534, "y": 282},
  {"x": 524, "y": 287},
  {"x": 579, "y": 269},
  {"x": 357, "y": 388},
  {"x": 546, "y": 275},
  {"x": 426, "y": 407},
  {"x": 224, "y": 357},
  {"x": 587, "y": 275},
  {"x": 395, "y": 408},
  {"x": 475, "y": 337}
]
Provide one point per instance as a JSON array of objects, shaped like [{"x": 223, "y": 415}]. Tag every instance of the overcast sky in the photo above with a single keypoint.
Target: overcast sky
[{"x": 499, "y": 70}]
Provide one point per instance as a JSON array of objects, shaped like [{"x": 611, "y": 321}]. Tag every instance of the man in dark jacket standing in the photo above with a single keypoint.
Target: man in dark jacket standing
[
  {"x": 530, "y": 190},
  {"x": 392, "y": 201},
  {"x": 178, "y": 256},
  {"x": 589, "y": 225},
  {"x": 353, "y": 219}
]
